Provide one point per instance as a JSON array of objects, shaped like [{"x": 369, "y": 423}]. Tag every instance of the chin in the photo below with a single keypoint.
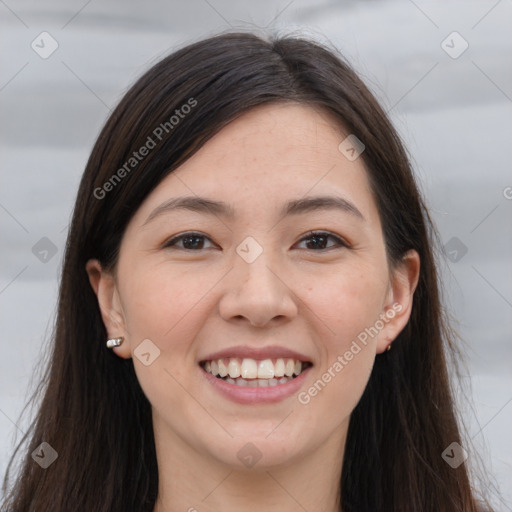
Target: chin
[{"x": 255, "y": 448}]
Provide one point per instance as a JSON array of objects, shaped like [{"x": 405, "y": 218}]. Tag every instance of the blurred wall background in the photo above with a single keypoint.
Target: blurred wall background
[{"x": 443, "y": 70}]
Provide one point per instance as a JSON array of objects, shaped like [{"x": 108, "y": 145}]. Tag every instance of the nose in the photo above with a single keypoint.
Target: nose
[{"x": 258, "y": 292}]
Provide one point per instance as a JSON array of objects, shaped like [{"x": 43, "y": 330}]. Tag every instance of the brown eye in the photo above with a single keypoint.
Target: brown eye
[
  {"x": 319, "y": 240},
  {"x": 190, "y": 241}
]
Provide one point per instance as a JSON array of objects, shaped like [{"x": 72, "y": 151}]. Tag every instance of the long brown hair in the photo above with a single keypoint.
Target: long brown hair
[{"x": 93, "y": 412}]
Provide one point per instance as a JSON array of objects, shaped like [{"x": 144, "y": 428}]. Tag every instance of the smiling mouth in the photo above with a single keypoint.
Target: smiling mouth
[{"x": 249, "y": 372}]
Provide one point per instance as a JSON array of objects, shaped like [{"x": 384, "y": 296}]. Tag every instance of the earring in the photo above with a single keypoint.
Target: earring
[
  {"x": 388, "y": 348},
  {"x": 114, "y": 342}
]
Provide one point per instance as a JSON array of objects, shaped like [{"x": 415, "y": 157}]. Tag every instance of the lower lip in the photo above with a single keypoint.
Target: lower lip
[{"x": 247, "y": 395}]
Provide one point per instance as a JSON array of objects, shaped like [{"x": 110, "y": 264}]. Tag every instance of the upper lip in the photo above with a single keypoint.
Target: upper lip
[{"x": 270, "y": 352}]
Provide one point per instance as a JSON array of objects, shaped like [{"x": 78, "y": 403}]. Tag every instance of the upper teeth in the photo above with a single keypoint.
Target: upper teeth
[{"x": 254, "y": 369}]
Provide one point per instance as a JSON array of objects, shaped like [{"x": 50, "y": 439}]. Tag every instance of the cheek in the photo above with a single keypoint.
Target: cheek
[
  {"x": 348, "y": 303},
  {"x": 159, "y": 306},
  {"x": 157, "y": 303},
  {"x": 348, "y": 300}
]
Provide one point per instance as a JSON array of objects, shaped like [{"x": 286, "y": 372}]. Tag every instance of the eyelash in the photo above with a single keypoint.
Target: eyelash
[{"x": 311, "y": 234}]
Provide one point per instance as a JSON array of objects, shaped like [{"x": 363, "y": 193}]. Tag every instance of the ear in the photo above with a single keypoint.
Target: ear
[
  {"x": 105, "y": 288},
  {"x": 399, "y": 300}
]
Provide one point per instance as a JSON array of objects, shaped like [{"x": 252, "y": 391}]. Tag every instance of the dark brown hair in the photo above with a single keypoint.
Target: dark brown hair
[{"x": 93, "y": 411}]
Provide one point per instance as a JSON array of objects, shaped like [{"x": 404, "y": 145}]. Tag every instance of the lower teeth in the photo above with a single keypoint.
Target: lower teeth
[{"x": 257, "y": 383}]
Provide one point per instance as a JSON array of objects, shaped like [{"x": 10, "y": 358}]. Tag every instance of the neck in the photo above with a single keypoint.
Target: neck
[{"x": 194, "y": 482}]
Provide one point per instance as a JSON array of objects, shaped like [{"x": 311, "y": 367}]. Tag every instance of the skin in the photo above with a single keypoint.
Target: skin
[{"x": 299, "y": 294}]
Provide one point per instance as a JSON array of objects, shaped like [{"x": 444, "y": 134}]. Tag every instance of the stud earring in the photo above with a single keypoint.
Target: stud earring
[
  {"x": 388, "y": 348},
  {"x": 114, "y": 342}
]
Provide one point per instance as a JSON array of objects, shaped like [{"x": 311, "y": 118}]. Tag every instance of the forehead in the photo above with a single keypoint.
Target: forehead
[
  {"x": 270, "y": 154},
  {"x": 290, "y": 131}
]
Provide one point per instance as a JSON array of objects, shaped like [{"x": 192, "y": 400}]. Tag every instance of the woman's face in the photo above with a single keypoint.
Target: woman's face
[{"x": 248, "y": 284}]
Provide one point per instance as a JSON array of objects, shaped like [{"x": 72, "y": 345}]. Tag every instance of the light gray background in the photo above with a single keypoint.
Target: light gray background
[{"x": 453, "y": 113}]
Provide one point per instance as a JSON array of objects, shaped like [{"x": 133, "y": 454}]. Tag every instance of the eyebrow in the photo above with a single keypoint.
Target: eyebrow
[{"x": 218, "y": 208}]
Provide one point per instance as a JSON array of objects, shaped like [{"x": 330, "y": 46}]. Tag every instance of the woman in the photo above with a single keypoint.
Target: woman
[{"x": 249, "y": 316}]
